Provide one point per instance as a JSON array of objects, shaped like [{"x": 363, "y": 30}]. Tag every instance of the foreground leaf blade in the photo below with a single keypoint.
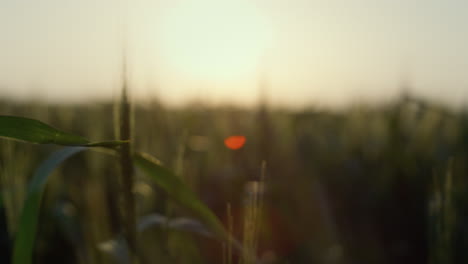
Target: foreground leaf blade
[
  {"x": 176, "y": 189},
  {"x": 107, "y": 144},
  {"x": 34, "y": 131},
  {"x": 25, "y": 237}
]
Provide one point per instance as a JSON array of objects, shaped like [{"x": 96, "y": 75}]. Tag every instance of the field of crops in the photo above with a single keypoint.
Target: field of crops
[{"x": 365, "y": 184}]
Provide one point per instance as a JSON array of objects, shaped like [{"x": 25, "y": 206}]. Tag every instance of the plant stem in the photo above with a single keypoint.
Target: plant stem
[{"x": 127, "y": 178}]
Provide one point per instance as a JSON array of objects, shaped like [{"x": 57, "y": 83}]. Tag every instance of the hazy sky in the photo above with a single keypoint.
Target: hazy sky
[{"x": 325, "y": 52}]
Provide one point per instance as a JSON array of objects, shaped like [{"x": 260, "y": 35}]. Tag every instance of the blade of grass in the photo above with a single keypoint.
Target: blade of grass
[
  {"x": 25, "y": 237},
  {"x": 35, "y": 131},
  {"x": 128, "y": 209},
  {"x": 176, "y": 189},
  {"x": 107, "y": 144}
]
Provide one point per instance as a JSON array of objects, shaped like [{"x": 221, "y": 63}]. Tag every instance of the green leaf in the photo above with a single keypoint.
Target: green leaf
[
  {"x": 25, "y": 237},
  {"x": 176, "y": 189},
  {"x": 107, "y": 144},
  {"x": 34, "y": 131}
]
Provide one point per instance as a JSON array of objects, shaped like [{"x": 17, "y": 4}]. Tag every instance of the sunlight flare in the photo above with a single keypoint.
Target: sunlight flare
[{"x": 214, "y": 40}]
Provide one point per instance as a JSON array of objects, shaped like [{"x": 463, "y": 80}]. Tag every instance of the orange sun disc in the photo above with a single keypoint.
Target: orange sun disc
[{"x": 234, "y": 142}]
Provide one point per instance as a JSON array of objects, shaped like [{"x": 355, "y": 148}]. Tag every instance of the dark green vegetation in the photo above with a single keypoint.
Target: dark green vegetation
[{"x": 367, "y": 185}]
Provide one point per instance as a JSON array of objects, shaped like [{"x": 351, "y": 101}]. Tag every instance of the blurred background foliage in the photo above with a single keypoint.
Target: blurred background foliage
[{"x": 365, "y": 184}]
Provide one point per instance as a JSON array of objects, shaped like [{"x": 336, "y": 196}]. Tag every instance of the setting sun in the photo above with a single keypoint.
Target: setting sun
[{"x": 214, "y": 39}]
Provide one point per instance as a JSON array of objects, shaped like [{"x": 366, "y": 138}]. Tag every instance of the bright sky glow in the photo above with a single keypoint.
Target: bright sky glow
[
  {"x": 214, "y": 39},
  {"x": 323, "y": 52}
]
